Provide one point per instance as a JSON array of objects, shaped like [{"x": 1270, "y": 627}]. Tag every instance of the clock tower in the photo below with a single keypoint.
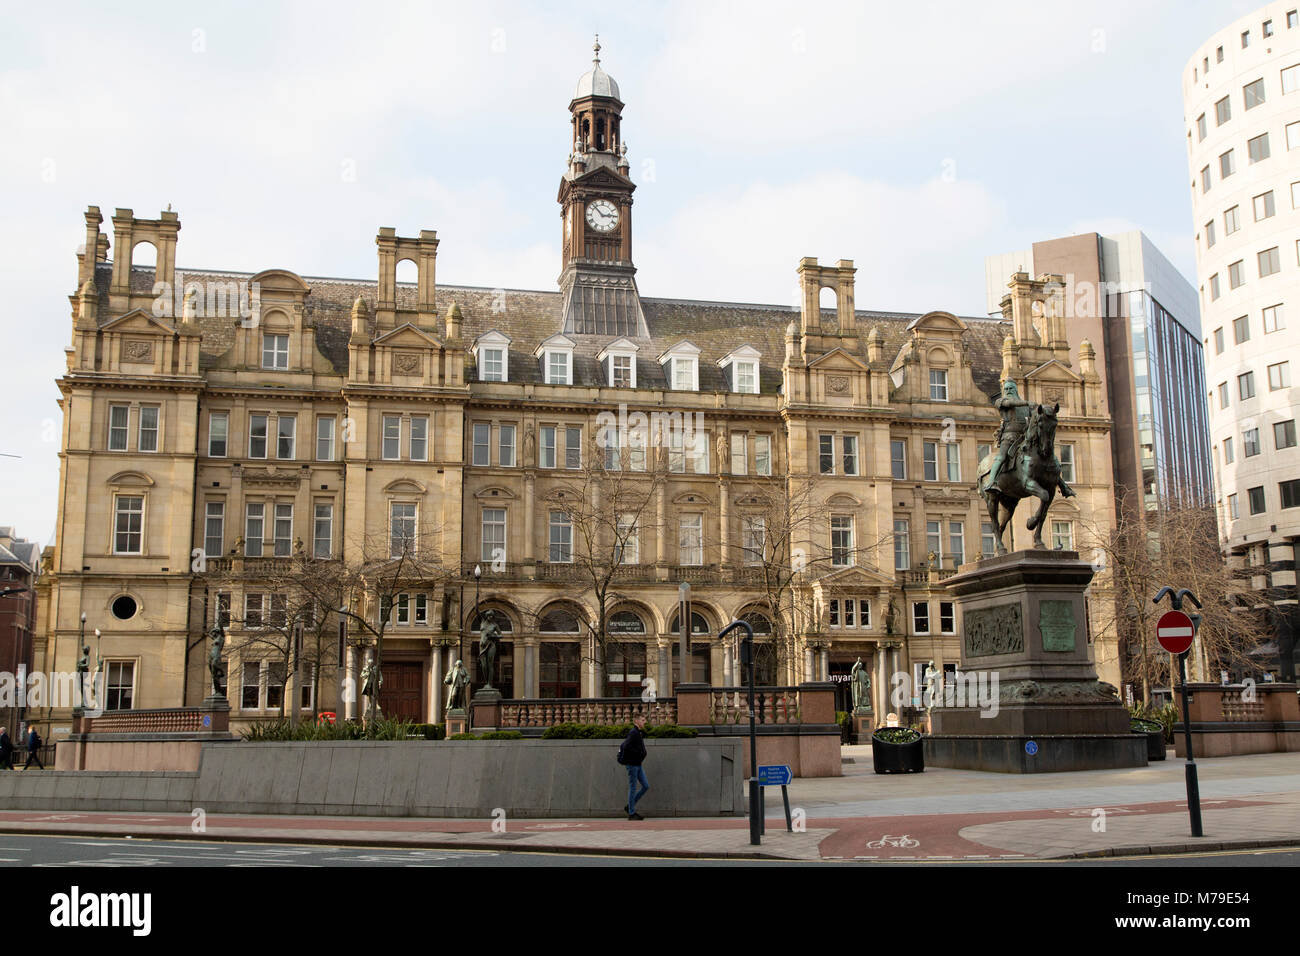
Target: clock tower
[{"x": 597, "y": 277}]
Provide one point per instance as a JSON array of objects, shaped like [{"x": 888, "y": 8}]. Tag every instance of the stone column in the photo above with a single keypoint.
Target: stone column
[
  {"x": 808, "y": 661},
  {"x": 881, "y": 690},
  {"x": 665, "y": 667},
  {"x": 530, "y": 667},
  {"x": 724, "y": 524},
  {"x": 435, "y": 683},
  {"x": 530, "y": 494},
  {"x": 662, "y": 532},
  {"x": 350, "y": 672},
  {"x": 728, "y": 663}
]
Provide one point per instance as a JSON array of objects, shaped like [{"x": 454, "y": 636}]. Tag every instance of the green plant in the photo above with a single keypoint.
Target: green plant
[
  {"x": 464, "y": 737},
  {"x": 845, "y": 720},
  {"x": 281, "y": 730},
  {"x": 896, "y": 735},
  {"x": 1166, "y": 716},
  {"x": 502, "y": 735}
]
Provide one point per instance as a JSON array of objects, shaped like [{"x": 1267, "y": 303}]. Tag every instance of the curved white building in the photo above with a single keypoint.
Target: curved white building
[{"x": 1241, "y": 98}]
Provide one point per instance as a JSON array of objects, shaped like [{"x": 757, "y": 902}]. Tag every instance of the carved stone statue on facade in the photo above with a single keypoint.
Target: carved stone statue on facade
[
  {"x": 530, "y": 447},
  {"x": 457, "y": 679},
  {"x": 489, "y": 639},
  {"x": 371, "y": 682},
  {"x": 216, "y": 644},
  {"x": 724, "y": 454},
  {"x": 1024, "y": 465},
  {"x": 860, "y": 685}
]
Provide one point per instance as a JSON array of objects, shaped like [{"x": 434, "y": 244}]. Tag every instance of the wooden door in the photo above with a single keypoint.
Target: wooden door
[{"x": 402, "y": 695}]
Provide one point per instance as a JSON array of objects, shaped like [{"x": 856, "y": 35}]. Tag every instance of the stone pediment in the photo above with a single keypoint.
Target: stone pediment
[
  {"x": 139, "y": 321},
  {"x": 854, "y": 577},
  {"x": 598, "y": 178},
  {"x": 1054, "y": 371},
  {"x": 692, "y": 498},
  {"x": 404, "y": 486},
  {"x": 841, "y": 498},
  {"x": 279, "y": 280},
  {"x": 837, "y": 359},
  {"x": 408, "y": 336},
  {"x": 937, "y": 322},
  {"x": 270, "y": 476},
  {"x": 496, "y": 493},
  {"x": 127, "y": 479}
]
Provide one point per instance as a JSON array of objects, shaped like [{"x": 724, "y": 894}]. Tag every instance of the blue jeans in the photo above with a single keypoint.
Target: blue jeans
[{"x": 635, "y": 775}]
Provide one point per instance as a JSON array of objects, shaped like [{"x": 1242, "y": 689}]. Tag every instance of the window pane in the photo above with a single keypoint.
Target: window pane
[
  {"x": 257, "y": 436},
  {"x": 286, "y": 429},
  {"x": 218, "y": 428},
  {"x": 482, "y": 450},
  {"x": 419, "y": 438},
  {"x": 323, "y": 531},
  {"x": 214, "y": 529},
  {"x": 148, "y": 428},
  {"x": 325, "y": 439},
  {"x": 506, "y": 446}
]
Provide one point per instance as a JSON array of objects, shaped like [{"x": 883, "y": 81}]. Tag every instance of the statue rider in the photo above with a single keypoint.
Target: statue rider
[{"x": 1015, "y": 420}]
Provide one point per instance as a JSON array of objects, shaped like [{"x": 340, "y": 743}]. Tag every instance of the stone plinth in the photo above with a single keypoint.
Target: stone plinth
[
  {"x": 485, "y": 709},
  {"x": 1028, "y": 699},
  {"x": 457, "y": 721}
]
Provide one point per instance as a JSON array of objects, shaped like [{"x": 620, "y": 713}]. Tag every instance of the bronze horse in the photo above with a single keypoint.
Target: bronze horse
[{"x": 1035, "y": 473}]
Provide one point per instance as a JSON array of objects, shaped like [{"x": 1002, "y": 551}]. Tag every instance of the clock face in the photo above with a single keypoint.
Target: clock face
[{"x": 602, "y": 215}]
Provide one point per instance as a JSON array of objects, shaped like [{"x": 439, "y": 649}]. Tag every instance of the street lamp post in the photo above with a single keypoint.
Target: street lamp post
[{"x": 473, "y": 618}]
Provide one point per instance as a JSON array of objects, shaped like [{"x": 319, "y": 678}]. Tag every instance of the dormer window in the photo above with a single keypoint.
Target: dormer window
[
  {"x": 492, "y": 355},
  {"x": 681, "y": 365},
  {"x": 741, "y": 368},
  {"x": 619, "y": 362},
  {"x": 938, "y": 385},
  {"x": 556, "y": 354},
  {"x": 275, "y": 351}
]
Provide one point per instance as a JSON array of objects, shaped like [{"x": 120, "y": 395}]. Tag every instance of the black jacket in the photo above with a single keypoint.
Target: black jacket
[
  {"x": 634, "y": 747},
  {"x": 6, "y": 745}
]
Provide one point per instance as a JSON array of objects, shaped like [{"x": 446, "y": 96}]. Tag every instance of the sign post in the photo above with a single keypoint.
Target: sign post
[
  {"x": 1175, "y": 631},
  {"x": 776, "y": 775},
  {"x": 755, "y": 792}
]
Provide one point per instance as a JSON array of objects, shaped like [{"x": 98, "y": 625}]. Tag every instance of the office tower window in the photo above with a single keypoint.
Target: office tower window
[
  {"x": 1241, "y": 330},
  {"x": 1236, "y": 275},
  {"x": 1246, "y": 385},
  {"x": 1229, "y": 455},
  {"x": 1227, "y": 165},
  {"x": 1250, "y": 442},
  {"x": 1270, "y": 262},
  {"x": 1209, "y": 234},
  {"x": 1233, "y": 511},
  {"x": 1257, "y": 147},
  {"x": 1231, "y": 220},
  {"x": 1253, "y": 93},
  {"x": 1222, "y": 112},
  {"x": 1274, "y": 319},
  {"x": 1284, "y": 434},
  {"x": 1279, "y": 376},
  {"x": 1256, "y": 496},
  {"x": 1290, "y": 492},
  {"x": 1218, "y": 341},
  {"x": 1264, "y": 208}
]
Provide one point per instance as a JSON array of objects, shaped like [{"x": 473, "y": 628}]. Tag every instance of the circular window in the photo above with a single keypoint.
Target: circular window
[{"x": 124, "y": 608}]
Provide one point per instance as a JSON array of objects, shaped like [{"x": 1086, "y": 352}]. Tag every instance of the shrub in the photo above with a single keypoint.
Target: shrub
[
  {"x": 896, "y": 735},
  {"x": 845, "y": 720},
  {"x": 464, "y": 737},
  {"x": 1165, "y": 716},
  {"x": 282, "y": 730}
]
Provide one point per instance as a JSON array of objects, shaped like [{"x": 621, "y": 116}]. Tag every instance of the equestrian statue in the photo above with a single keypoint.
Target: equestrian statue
[{"x": 1024, "y": 464}]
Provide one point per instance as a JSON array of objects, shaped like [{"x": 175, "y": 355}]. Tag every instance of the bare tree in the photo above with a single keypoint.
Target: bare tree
[{"x": 1176, "y": 545}]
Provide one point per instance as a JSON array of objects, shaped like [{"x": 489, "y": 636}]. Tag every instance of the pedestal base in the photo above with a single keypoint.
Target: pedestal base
[
  {"x": 1049, "y": 753},
  {"x": 457, "y": 722},
  {"x": 485, "y": 710},
  {"x": 864, "y": 722}
]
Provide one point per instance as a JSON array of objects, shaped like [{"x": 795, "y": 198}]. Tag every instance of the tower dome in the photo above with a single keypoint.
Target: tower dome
[{"x": 596, "y": 82}]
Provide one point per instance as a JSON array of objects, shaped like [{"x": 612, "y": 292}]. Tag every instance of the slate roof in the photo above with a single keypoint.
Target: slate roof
[{"x": 529, "y": 317}]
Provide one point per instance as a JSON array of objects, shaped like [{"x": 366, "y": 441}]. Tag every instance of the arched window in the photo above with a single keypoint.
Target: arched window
[
  {"x": 502, "y": 621},
  {"x": 625, "y": 622},
  {"x": 698, "y": 624},
  {"x": 759, "y": 621},
  {"x": 559, "y": 619}
]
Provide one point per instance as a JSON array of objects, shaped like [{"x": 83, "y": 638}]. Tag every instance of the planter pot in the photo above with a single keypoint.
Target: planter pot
[
  {"x": 898, "y": 758},
  {"x": 1155, "y": 738}
]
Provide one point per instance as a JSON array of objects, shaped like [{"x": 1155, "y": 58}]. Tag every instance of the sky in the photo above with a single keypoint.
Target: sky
[{"x": 915, "y": 139}]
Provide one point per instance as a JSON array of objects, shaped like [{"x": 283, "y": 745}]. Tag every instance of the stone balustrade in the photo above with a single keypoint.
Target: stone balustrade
[
  {"x": 519, "y": 714},
  {"x": 1240, "y": 719},
  {"x": 172, "y": 720}
]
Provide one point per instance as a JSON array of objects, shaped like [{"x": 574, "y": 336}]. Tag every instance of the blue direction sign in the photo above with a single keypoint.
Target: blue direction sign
[
  {"x": 1031, "y": 747},
  {"x": 777, "y": 775}
]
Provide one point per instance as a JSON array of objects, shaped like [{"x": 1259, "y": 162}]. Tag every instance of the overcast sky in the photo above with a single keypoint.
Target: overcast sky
[{"x": 912, "y": 138}]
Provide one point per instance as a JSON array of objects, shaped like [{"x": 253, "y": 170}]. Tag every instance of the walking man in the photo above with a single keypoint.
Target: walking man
[
  {"x": 33, "y": 745},
  {"x": 632, "y": 755},
  {"x": 6, "y": 750}
]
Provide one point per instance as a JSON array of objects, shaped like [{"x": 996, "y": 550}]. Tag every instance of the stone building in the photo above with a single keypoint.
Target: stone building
[{"x": 210, "y": 441}]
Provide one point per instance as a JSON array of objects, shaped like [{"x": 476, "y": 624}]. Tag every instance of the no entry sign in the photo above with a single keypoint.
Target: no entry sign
[{"x": 1174, "y": 631}]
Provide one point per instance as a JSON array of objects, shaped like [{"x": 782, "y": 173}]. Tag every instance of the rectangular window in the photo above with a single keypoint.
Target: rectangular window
[
  {"x": 323, "y": 531},
  {"x": 557, "y": 368},
  {"x": 257, "y": 425},
  {"x": 1249, "y": 442},
  {"x": 1267, "y": 28},
  {"x": 826, "y": 454},
  {"x": 690, "y": 540},
  {"x": 251, "y": 688},
  {"x": 214, "y": 529},
  {"x": 1233, "y": 511},
  {"x": 684, "y": 374},
  {"x": 1241, "y": 330},
  {"x": 1246, "y": 385},
  {"x": 1065, "y": 454},
  {"x": 1279, "y": 376},
  {"x": 1236, "y": 275},
  {"x": 325, "y": 438},
  {"x": 492, "y": 368},
  {"x": 547, "y": 459},
  {"x": 864, "y": 612},
  {"x": 119, "y": 684},
  {"x": 628, "y": 546},
  {"x": 938, "y": 385},
  {"x": 1218, "y": 341},
  {"x": 419, "y": 438},
  {"x": 1209, "y": 235},
  {"x": 1256, "y": 496},
  {"x": 676, "y": 458},
  {"x": 118, "y": 418},
  {"x": 482, "y": 453},
  {"x": 1264, "y": 207},
  {"x": 934, "y": 541},
  {"x": 223, "y": 609},
  {"x": 254, "y": 528},
  {"x": 1284, "y": 434},
  {"x": 841, "y": 540},
  {"x": 1252, "y": 93},
  {"x": 1290, "y": 491},
  {"x": 700, "y": 453},
  {"x": 422, "y": 608},
  {"x": 930, "y": 460},
  {"x": 1200, "y": 128},
  {"x": 401, "y": 537},
  {"x": 763, "y": 455},
  {"x": 850, "y": 615},
  {"x": 275, "y": 351},
  {"x": 1258, "y": 147},
  {"x": 561, "y": 550},
  {"x": 947, "y": 617},
  {"x": 988, "y": 539},
  {"x": 1292, "y": 19},
  {"x": 1245, "y": 39},
  {"x": 1290, "y": 78},
  {"x": 981, "y": 451},
  {"x": 621, "y": 371},
  {"x": 506, "y": 446},
  {"x": 253, "y": 610},
  {"x": 1229, "y": 453},
  {"x": 902, "y": 546},
  {"x": 747, "y": 378},
  {"x": 1222, "y": 111},
  {"x": 573, "y": 448},
  {"x": 218, "y": 432},
  {"x": 1227, "y": 165},
  {"x": 1223, "y": 395},
  {"x": 148, "y": 428},
  {"x": 1274, "y": 319},
  {"x": 952, "y": 457},
  {"x": 636, "y": 449},
  {"x": 833, "y": 612},
  {"x": 494, "y": 534},
  {"x": 1205, "y": 179},
  {"x": 850, "y": 454},
  {"x": 392, "y": 437},
  {"x": 1231, "y": 220},
  {"x": 754, "y": 543},
  {"x": 283, "y": 530},
  {"x": 956, "y": 542},
  {"x": 128, "y": 525},
  {"x": 286, "y": 433},
  {"x": 739, "y": 457},
  {"x": 921, "y": 617},
  {"x": 1218, "y": 54},
  {"x": 403, "y": 608},
  {"x": 274, "y": 685},
  {"x": 1063, "y": 535},
  {"x": 1292, "y": 136},
  {"x": 1269, "y": 262}
]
